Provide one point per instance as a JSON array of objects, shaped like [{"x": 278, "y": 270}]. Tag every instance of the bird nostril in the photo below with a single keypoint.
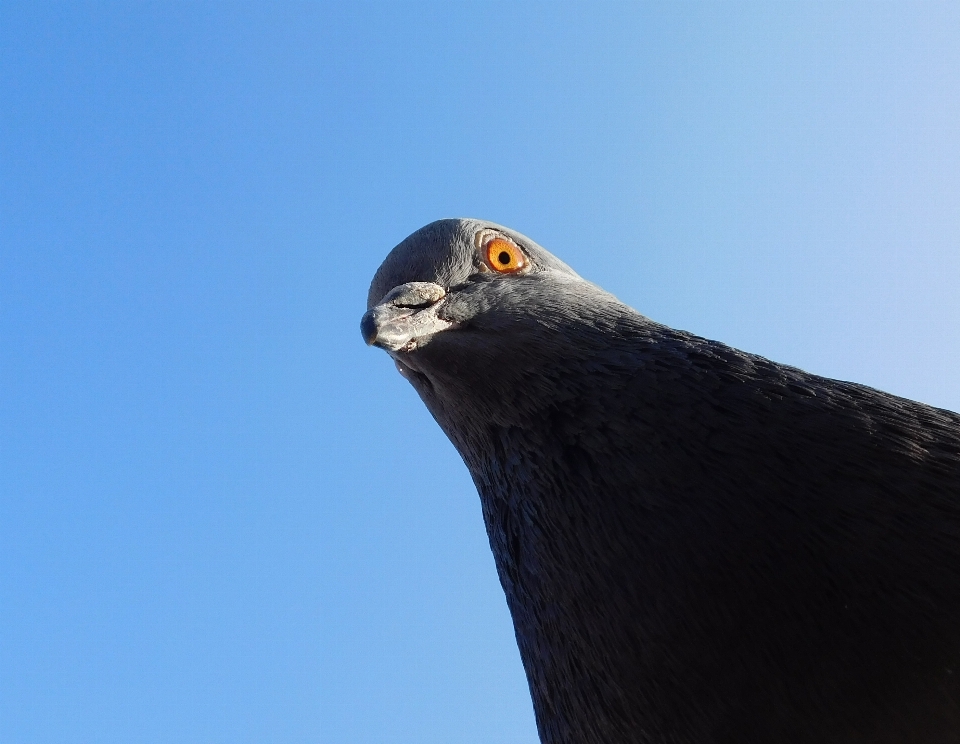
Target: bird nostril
[
  {"x": 415, "y": 305},
  {"x": 414, "y": 295}
]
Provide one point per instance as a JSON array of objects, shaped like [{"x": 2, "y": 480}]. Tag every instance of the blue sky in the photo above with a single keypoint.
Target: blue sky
[{"x": 222, "y": 517}]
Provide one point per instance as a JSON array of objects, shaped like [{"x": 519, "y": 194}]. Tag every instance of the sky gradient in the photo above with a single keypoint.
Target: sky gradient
[{"x": 222, "y": 517}]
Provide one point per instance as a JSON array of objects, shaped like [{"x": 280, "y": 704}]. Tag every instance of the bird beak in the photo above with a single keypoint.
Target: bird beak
[{"x": 405, "y": 318}]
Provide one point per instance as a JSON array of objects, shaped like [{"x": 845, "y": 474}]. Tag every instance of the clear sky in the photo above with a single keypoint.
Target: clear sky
[{"x": 222, "y": 517}]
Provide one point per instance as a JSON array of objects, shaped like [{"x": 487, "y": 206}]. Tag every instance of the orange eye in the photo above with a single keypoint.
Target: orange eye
[{"x": 504, "y": 257}]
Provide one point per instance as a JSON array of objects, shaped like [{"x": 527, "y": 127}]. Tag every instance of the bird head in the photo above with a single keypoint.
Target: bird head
[{"x": 479, "y": 316}]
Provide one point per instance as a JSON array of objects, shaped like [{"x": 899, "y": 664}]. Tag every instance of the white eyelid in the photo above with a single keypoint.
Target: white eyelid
[{"x": 483, "y": 237}]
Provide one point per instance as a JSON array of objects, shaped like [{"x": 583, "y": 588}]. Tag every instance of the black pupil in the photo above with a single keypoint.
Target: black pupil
[{"x": 504, "y": 257}]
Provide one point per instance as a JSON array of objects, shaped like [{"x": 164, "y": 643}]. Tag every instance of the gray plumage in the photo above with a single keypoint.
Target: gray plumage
[{"x": 696, "y": 544}]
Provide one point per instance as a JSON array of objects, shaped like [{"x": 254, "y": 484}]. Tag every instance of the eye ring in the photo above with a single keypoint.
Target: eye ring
[{"x": 504, "y": 257}]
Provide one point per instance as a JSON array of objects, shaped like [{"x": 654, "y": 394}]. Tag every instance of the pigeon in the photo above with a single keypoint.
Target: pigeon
[{"x": 696, "y": 544}]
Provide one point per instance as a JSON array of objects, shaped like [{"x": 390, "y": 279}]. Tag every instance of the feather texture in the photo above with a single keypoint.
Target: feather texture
[{"x": 696, "y": 544}]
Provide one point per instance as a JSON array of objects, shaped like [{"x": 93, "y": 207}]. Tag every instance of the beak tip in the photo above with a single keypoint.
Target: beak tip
[{"x": 368, "y": 329}]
